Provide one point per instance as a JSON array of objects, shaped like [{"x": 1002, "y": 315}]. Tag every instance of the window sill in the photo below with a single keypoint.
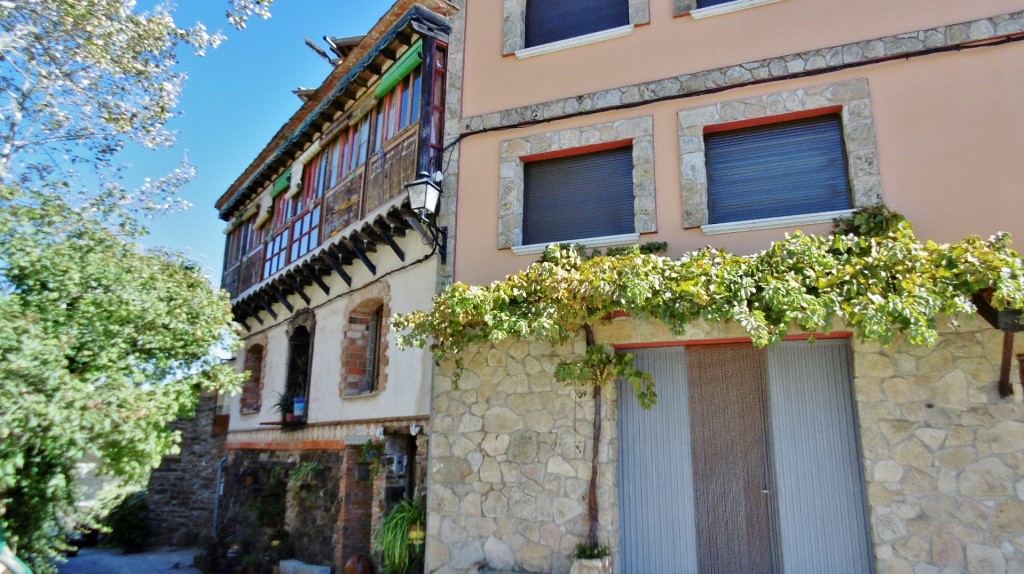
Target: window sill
[
  {"x": 774, "y": 222},
  {"x": 604, "y": 241},
  {"x": 577, "y": 41},
  {"x": 735, "y": 6},
  {"x": 357, "y": 396}
]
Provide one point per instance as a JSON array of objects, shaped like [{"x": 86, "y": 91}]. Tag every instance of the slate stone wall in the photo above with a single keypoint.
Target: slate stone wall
[{"x": 183, "y": 488}]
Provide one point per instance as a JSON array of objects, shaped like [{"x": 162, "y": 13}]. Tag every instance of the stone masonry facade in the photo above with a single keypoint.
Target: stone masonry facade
[
  {"x": 509, "y": 463},
  {"x": 183, "y": 488},
  {"x": 943, "y": 455}
]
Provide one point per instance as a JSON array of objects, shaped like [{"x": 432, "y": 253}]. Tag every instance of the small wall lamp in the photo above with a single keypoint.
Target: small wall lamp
[{"x": 424, "y": 196}]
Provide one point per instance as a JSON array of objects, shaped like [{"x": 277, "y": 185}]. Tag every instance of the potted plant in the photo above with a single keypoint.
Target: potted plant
[
  {"x": 591, "y": 559},
  {"x": 397, "y": 548},
  {"x": 285, "y": 404}
]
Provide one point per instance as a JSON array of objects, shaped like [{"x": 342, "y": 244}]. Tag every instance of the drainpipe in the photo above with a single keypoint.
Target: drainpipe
[{"x": 219, "y": 492}]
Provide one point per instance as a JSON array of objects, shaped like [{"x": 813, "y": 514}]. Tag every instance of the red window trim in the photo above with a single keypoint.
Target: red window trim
[
  {"x": 554, "y": 154},
  {"x": 768, "y": 120},
  {"x": 729, "y": 340}
]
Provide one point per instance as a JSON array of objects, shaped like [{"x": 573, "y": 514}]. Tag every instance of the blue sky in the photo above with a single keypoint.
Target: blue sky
[{"x": 236, "y": 98}]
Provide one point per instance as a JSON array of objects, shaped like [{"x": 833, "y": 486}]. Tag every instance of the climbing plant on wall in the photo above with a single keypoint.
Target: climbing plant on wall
[
  {"x": 877, "y": 279},
  {"x": 872, "y": 274}
]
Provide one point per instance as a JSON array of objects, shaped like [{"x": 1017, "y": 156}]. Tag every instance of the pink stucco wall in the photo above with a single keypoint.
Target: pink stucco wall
[
  {"x": 949, "y": 127},
  {"x": 670, "y": 46}
]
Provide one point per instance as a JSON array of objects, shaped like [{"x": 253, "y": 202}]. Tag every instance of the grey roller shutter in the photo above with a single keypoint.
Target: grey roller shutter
[
  {"x": 819, "y": 479},
  {"x": 655, "y": 482},
  {"x": 577, "y": 197},
  {"x": 777, "y": 170},
  {"x": 552, "y": 20}
]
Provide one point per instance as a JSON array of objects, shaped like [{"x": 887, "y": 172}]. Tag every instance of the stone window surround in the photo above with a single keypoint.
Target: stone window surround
[
  {"x": 851, "y": 99},
  {"x": 639, "y": 131},
  {"x": 514, "y": 27},
  {"x": 683, "y": 7}
]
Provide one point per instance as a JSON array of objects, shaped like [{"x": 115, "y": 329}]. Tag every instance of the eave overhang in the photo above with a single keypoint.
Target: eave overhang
[
  {"x": 356, "y": 246},
  {"x": 335, "y": 95}
]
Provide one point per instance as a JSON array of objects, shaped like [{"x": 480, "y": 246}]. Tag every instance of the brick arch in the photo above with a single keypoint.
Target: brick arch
[
  {"x": 364, "y": 353},
  {"x": 252, "y": 390},
  {"x": 254, "y": 361}
]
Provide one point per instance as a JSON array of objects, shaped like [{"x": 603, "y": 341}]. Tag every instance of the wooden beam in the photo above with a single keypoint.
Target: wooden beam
[
  {"x": 385, "y": 234},
  {"x": 335, "y": 263},
  {"x": 278, "y": 292},
  {"x": 320, "y": 282},
  {"x": 296, "y": 284},
  {"x": 360, "y": 239},
  {"x": 361, "y": 255},
  {"x": 268, "y": 307}
]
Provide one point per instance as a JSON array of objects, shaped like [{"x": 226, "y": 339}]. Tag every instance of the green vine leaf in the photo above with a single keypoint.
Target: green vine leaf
[{"x": 872, "y": 274}]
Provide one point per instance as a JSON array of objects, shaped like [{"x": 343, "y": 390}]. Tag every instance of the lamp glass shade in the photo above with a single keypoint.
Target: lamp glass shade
[{"x": 423, "y": 195}]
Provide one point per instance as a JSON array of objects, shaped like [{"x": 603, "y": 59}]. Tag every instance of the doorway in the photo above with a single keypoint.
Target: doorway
[{"x": 749, "y": 463}]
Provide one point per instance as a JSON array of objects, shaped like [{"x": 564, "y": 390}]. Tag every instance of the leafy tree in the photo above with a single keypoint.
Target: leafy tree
[
  {"x": 81, "y": 78},
  {"x": 101, "y": 346},
  {"x": 873, "y": 275},
  {"x": 101, "y": 343}
]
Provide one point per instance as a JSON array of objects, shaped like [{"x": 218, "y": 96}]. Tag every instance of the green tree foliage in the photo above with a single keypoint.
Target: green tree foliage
[
  {"x": 101, "y": 343},
  {"x": 80, "y": 78},
  {"x": 881, "y": 283},
  {"x": 101, "y": 346}
]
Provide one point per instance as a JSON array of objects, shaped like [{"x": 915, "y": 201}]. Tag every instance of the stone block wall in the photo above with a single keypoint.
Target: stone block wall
[
  {"x": 261, "y": 503},
  {"x": 510, "y": 463},
  {"x": 183, "y": 488},
  {"x": 943, "y": 455},
  {"x": 312, "y": 507}
]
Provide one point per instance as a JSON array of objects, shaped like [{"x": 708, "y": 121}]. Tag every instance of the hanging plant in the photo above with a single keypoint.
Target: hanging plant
[
  {"x": 371, "y": 453},
  {"x": 392, "y": 537}
]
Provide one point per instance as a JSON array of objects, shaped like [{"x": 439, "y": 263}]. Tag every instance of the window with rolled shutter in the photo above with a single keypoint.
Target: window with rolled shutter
[
  {"x": 553, "y": 20},
  {"x": 706, "y": 3},
  {"x": 578, "y": 197},
  {"x": 778, "y": 170}
]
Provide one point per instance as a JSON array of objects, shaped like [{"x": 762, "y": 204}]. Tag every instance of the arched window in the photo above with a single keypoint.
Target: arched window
[
  {"x": 297, "y": 378},
  {"x": 252, "y": 390}
]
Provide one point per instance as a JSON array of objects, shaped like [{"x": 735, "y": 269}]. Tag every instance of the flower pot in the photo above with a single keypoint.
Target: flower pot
[{"x": 601, "y": 565}]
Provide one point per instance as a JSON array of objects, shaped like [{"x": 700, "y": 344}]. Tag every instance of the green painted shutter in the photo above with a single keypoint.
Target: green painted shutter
[
  {"x": 281, "y": 183},
  {"x": 409, "y": 61}
]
